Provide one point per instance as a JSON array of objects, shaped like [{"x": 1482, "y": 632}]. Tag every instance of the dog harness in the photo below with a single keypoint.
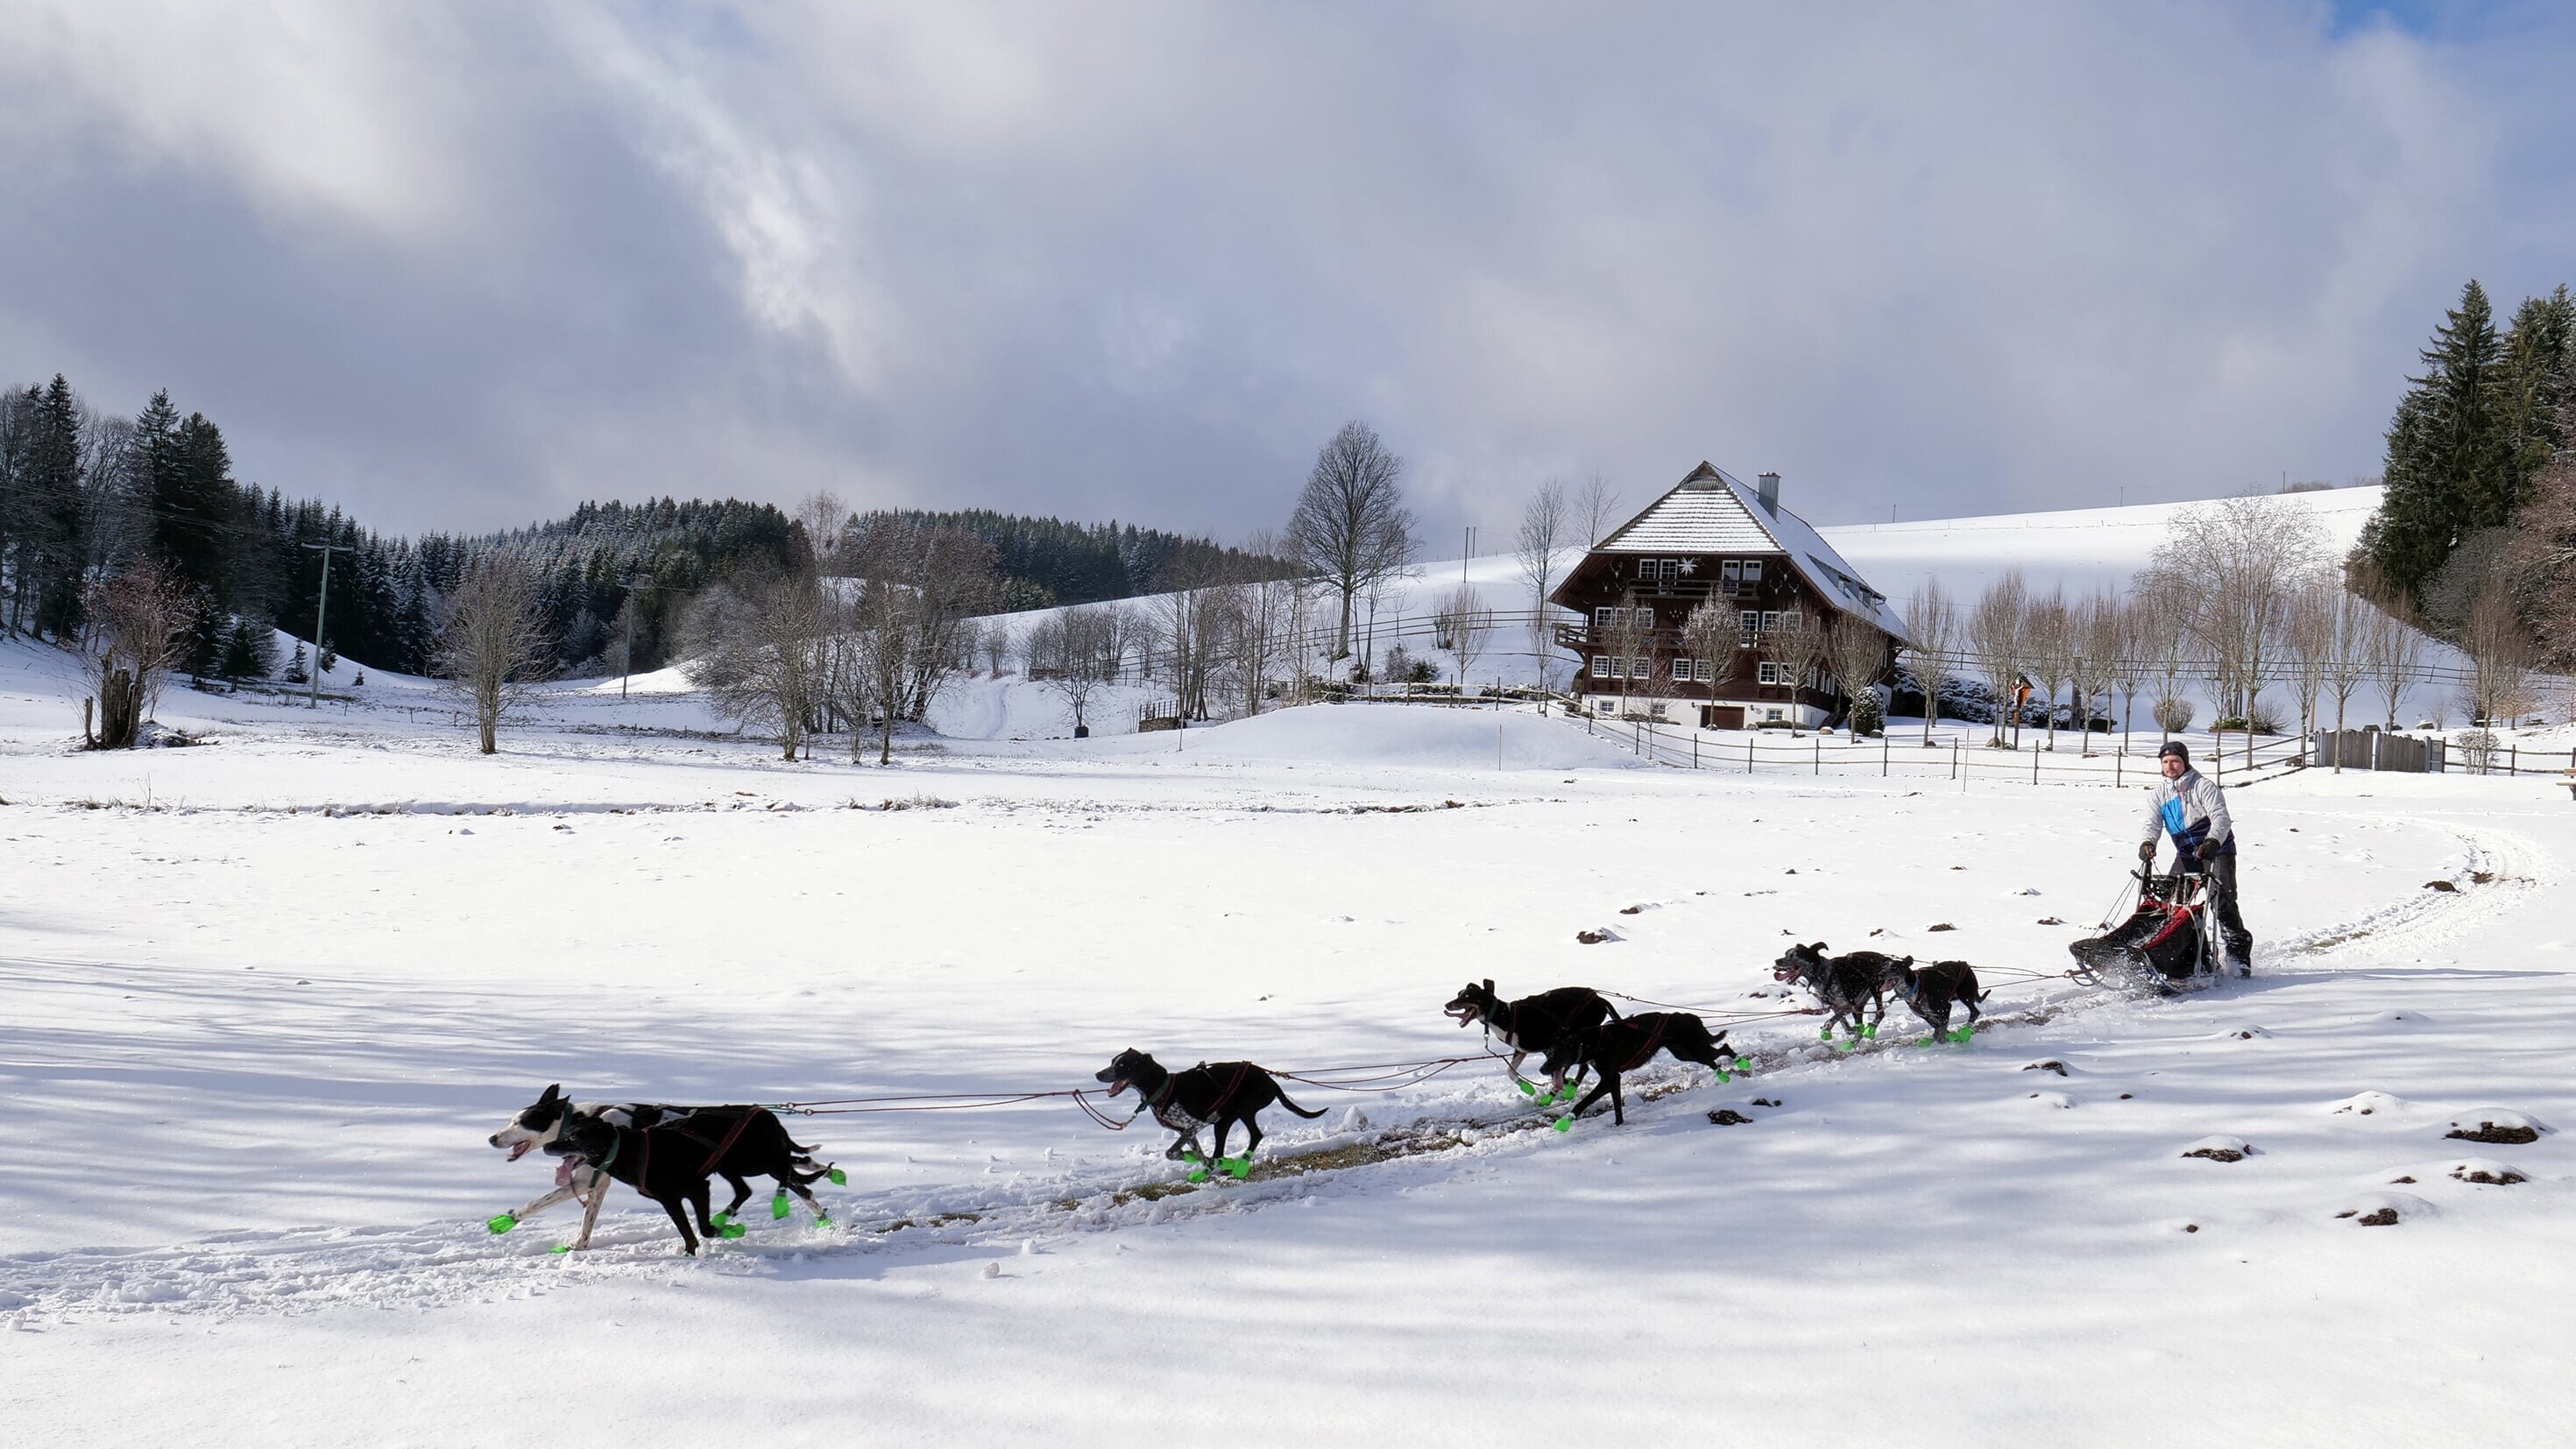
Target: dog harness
[{"x": 1654, "y": 1043}]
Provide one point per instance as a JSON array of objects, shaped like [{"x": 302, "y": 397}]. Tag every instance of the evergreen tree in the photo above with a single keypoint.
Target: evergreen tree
[
  {"x": 2540, "y": 362},
  {"x": 2451, "y": 463},
  {"x": 53, "y": 549}
]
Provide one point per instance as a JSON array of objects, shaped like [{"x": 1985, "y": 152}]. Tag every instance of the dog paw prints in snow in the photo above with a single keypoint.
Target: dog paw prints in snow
[
  {"x": 2050, "y": 1065},
  {"x": 2502, "y": 1126},
  {"x": 2056, "y": 1100},
  {"x": 1597, "y": 936},
  {"x": 2243, "y": 1033},
  {"x": 2220, "y": 1149}
]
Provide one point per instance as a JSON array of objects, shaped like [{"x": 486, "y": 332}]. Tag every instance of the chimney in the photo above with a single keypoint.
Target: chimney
[{"x": 1767, "y": 488}]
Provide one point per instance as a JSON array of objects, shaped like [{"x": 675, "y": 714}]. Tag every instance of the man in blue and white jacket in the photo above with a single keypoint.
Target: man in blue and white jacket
[{"x": 2191, "y": 809}]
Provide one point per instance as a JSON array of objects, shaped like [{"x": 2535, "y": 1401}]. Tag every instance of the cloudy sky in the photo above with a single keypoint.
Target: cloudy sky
[{"x": 459, "y": 266}]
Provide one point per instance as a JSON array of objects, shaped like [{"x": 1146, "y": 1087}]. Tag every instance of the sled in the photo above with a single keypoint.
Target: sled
[{"x": 2164, "y": 946}]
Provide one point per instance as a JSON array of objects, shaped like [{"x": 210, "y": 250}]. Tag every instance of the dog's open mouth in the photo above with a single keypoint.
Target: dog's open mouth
[
  {"x": 565, "y": 1168},
  {"x": 1118, "y": 1086},
  {"x": 1463, "y": 1015},
  {"x": 519, "y": 1150}
]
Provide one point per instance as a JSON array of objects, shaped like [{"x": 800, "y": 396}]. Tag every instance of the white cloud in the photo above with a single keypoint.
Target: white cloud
[{"x": 1140, "y": 260}]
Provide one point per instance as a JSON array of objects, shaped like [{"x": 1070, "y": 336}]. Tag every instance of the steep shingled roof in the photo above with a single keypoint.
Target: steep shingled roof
[{"x": 1713, "y": 512}]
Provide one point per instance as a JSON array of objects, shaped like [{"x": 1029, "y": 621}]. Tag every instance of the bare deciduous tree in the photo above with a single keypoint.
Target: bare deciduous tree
[
  {"x": 1710, "y": 634},
  {"x": 493, "y": 650},
  {"x": 2499, "y": 687},
  {"x": 1629, "y": 636},
  {"x": 139, "y": 622},
  {"x": 2102, "y": 638},
  {"x": 2393, "y": 651},
  {"x": 1068, "y": 651},
  {"x": 993, "y": 641},
  {"x": 1856, "y": 654},
  {"x": 2347, "y": 653},
  {"x": 1596, "y": 504},
  {"x": 1933, "y": 619},
  {"x": 1351, "y": 528},
  {"x": 2166, "y": 642},
  {"x": 1795, "y": 649},
  {"x": 1543, "y": 529},
  {"x": 916, "y": 590},
  {"x": 1995, "y": 639},
  {"x": 2049, "y": 634},
  {"x": 762, "y": 646},
  {"x": 1465, "y": 626},
  {"x": 2237, "y": 562},
  {"x": 2307, "y": 640}
]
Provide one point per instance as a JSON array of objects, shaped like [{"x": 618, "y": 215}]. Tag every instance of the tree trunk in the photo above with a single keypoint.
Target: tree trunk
[{"x": 120, "y": 711}]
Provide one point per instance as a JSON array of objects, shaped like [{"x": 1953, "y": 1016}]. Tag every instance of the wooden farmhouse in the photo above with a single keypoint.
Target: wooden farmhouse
[{"x": 1714, "y": 541}]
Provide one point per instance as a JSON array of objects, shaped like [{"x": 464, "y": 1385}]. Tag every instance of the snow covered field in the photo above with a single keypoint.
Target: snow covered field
[{"x": 256, "y": 1032}]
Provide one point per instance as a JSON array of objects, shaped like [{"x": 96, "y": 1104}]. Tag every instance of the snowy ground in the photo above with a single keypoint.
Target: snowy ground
[{"x": 256, "y": 1032}]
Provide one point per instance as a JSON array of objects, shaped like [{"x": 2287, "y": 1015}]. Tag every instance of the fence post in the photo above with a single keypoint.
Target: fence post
[
  {"x": 2512, "y": 761},
  {"x": 2119, "y": 762},
  {"x": 1694, "y": 749},
  {"x": 1820, "y": 753},
  {"x": 2034, "y": 762},
  {"x": 1748, "y": 754},
  {"x": 1882, "y": 754}
]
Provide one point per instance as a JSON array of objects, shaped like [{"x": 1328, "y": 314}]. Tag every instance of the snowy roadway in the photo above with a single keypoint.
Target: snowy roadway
[{"x": 252, "y": 1045}]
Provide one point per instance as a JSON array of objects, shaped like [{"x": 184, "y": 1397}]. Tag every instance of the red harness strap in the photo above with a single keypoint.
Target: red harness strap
[
  {"x": 1654, "y": 1042},
  {"x": 644, "y": 1162}
]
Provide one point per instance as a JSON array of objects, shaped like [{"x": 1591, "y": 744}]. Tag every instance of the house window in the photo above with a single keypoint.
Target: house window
[
  {"x": 1708, "y": 671},
  {"x": 1605, "y": 617},
  {"x": 1766, "y": 673},
  {"x": 1753, "y": 571},
  {"x": 1789, "y": 620},
  {"x": 1770, "y": 619},
  {"x": 1604, "y": 667},
  {"x": 1685, "y": 669},
  {"x": 1637, "y": 667},
  {"x": 1772, "y": 714},
  {"x": 1730, "y": 571},
  {"x": 1750, "y": 621}
]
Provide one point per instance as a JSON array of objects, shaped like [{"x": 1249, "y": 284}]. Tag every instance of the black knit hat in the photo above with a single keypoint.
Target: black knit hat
[{"x": 2175, "y": 748}]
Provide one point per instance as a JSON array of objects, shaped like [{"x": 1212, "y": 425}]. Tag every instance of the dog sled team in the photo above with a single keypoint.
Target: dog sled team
[{"x": 670, "y": 1154}]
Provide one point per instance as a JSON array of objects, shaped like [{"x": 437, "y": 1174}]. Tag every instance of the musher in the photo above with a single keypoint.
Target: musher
[{"x": 2191, "y": 808}]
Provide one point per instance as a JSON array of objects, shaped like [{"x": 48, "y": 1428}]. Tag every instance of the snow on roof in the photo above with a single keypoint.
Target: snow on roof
[{"x": 1713, "y": 511}]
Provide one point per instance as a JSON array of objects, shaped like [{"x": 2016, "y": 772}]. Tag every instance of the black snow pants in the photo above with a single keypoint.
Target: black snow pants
[{"x": 2238, "y": 941}]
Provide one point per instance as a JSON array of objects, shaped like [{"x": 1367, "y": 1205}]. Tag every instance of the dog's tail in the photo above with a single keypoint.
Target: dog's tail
[
  {"x": 1300, "y": 1111},
  {"x": 1981, "y": 996}
]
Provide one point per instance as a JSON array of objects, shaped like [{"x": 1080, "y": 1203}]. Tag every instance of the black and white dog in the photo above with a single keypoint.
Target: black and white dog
[
  {"x": 1223, "y": 1093},
  {"x": 1531, "y": 1024},
  {"x": 541, "y": 1123},
  {"x": 1932, "y": 990},
  {"x": 1615, "y": 1048},
  {"x": 671, "y": 1161},
  {"x": 1850, "y": 986}
]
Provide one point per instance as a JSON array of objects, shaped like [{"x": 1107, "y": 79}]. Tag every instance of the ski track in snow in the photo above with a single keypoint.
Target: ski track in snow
[{"x": 299, "y": 1270}]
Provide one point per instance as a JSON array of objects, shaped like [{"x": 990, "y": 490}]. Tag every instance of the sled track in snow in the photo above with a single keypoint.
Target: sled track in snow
[{"x": 258, "y": 1271}]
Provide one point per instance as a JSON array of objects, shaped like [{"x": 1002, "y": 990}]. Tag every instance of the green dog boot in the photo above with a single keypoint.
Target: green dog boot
[
  {"x": 1564, "y": 1124},
  {"x": 1870, "y": 1031},
  {"x": 1965, "y": 1032},
  {"x": 1826, "y": 1035},
  {"x": 560, "y": 1248},
  {"x": 778, "y": 1204},
  {"x": 1198, "y": 1174},
  {"x": 1528, "y": 1089},
  {"x": 1239, "y": 1167},
  {"x": 503, "y": 1223},
  {"x": 824, "y": 1221},
  {"x": 731, "y": 1230},
  {"x": 1722, "y": 1076},
  {"x": 838, "y": 1177}
]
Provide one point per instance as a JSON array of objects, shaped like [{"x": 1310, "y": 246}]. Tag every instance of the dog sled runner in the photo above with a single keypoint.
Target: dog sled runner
[{"x": 2164, "y": 946}]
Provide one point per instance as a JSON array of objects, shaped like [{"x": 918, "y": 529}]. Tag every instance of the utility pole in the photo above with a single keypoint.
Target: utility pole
[{"x": 321, "y": 601}]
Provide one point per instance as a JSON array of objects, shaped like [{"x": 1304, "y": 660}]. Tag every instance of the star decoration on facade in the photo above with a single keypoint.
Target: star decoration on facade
[{"x": 1690, "y": 566}]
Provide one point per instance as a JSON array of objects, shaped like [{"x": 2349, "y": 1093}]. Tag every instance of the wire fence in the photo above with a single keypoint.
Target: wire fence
[{"x": 1953, "y": 757}]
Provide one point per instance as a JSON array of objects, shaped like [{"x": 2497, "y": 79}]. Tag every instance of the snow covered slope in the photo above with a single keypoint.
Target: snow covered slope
[{"x": 254, "y": 1044}]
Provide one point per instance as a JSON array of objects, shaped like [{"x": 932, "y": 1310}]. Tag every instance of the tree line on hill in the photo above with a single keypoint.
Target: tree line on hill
[{"x": 88, "y": 496}]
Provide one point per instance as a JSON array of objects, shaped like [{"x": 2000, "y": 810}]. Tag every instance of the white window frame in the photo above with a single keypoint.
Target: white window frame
[
  {"x": 1640, "y": 666},
  {"x": 1753, "y": 571},
  {"x": 1731, "y": 571},
  {"x": 1766, "y": 673}
]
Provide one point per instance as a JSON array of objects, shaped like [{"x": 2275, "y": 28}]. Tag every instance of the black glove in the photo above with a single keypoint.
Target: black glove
[
  {"x": 2147, "y": 851},
  {"x": 2208, "y": 851}
]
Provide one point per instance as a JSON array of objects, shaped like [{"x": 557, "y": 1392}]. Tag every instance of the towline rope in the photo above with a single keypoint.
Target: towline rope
[{"x": 1705, "y": 1012}]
